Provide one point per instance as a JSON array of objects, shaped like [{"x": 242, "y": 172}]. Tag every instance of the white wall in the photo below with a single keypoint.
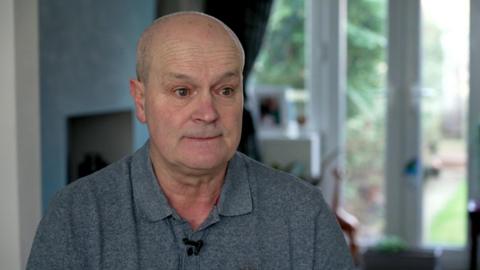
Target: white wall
[{"x": 19, "y": 131}]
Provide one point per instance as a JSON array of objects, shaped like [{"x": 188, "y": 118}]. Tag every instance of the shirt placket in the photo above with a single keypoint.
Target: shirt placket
[{"x": 188, "y": 251}]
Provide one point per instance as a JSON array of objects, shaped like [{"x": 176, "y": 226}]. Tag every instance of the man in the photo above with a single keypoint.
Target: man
[{"x": 187, "y": 200}]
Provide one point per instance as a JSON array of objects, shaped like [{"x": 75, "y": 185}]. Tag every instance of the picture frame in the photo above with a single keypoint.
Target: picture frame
[{"x": 270, "y": 108}]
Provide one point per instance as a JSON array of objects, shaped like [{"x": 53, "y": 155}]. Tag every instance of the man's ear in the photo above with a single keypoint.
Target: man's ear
[{"x": 137, "y": 91}]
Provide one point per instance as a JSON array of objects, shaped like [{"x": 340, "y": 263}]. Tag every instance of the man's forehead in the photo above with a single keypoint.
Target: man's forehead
[
  {"x": 190, "y": 24},
  {"x": 189, "y": 40},
  {"x": 190, "y": 46},
  {"x": 196, "y": 73},
  {"x": 228, "y": 74},
  {"x": 185, "y": 54},
  {"x": 195, "y": 42}
]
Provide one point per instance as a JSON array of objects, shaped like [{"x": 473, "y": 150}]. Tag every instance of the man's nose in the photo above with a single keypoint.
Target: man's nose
[{"x": 205, "y": 109}]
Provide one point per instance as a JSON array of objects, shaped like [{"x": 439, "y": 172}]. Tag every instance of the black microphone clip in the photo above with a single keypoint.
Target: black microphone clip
[{"x": 194, "y": 248}]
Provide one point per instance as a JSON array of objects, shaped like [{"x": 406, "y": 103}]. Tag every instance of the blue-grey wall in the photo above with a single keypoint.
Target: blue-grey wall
[{"x": 87, "y": 56}]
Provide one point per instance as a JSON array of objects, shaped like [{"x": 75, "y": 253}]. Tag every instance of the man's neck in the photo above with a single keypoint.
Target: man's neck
[{"x": 191, "y": 195}]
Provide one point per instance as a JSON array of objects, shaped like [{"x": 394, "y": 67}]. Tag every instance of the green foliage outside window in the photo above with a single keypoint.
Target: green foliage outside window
[
  {"x": 366, "y": 43},
  {"x": 282, "y": 62},
  {"x": 366, "y": 101},
  {"x": 282, "y": 58}
]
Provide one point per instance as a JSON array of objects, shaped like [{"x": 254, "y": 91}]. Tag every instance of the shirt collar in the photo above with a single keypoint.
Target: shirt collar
[
  {"x": 147, "y": 194},
  {"x": 235, "y": 198}
]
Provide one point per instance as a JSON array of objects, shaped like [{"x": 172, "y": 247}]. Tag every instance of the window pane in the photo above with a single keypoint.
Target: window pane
[
  {"x": 276, "y": 95},
  {"x": 366, "y": 67},
  {"x": 280, "y": 65},
  {"x": 281, "y": 60},
  {"x": 444, "y": 109}
]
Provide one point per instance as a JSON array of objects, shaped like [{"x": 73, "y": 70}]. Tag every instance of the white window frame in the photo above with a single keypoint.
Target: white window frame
[
  {"x": 326, "y": 80},
  {"x": 473, "y": 147},
  {"x": 403, "y": 191}
]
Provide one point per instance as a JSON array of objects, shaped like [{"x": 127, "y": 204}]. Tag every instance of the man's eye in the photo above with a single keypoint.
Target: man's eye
[
  {"x": 227, "y": 91},
  {"x": 182, "y": 92}
]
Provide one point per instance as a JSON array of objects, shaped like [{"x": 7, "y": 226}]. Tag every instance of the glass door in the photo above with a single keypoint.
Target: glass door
[
  {"x": 445, "y": 76},
  {"x": 365, "y": 123}
]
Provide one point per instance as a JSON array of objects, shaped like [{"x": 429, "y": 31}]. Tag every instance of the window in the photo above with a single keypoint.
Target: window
[
  {"x": 444, "y": 121},
  {"x": 277, "y": 96},
  {"x": 365, "y": 123},
  {"x": 280, "y": 65},
  {"x": 385, "y": 134}
]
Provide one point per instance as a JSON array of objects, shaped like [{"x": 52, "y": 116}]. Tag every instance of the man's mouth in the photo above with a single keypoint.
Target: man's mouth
[{"x": 203, "y": 138}]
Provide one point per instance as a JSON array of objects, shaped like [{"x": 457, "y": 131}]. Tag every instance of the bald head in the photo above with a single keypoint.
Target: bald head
[{"x": 182, "y": 27}]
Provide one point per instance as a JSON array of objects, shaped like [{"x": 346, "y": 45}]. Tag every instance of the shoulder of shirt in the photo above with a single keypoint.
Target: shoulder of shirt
[
  {"x": 282, "y": 188},
  {"x": 106, "y": 185}
]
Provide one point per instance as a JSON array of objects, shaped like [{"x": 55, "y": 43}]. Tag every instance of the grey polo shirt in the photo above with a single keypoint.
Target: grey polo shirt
[{"x": 119, "y": 218}]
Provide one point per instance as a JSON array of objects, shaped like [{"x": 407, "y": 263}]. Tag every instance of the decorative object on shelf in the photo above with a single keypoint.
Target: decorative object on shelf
[{"x": 270, "y": 108}]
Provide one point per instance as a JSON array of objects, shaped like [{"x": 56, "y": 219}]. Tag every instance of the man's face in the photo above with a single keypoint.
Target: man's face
[{"x": 193, "y": 103}]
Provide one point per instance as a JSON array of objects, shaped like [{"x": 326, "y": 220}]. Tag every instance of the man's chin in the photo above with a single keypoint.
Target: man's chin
[{"x": 205, "y": 161}]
